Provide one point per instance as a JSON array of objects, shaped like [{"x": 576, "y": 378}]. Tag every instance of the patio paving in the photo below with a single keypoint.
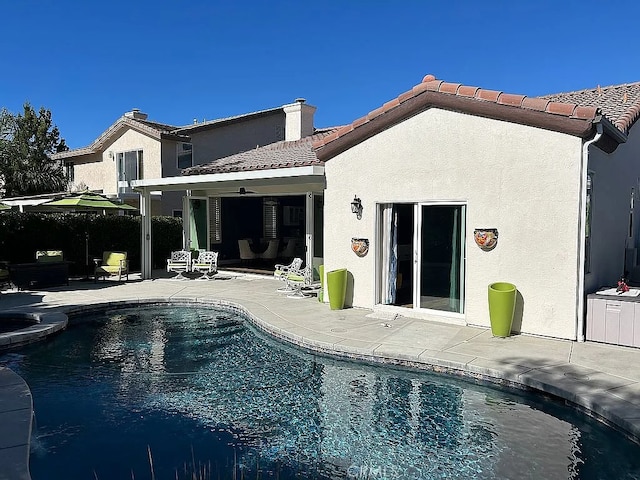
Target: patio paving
[{"x": 601, "y": 378}]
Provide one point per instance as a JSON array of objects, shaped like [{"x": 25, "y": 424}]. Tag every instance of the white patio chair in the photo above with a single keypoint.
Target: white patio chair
[
  {"x": 281, "y": 271},
  {"x": 206, "y": 264},
  {"x": 180, "y": 262},
  {"x": 302, "y": 283}
]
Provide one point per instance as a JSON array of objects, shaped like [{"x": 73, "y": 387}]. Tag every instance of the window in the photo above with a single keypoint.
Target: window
[
  {"x": 68, "y": 171},
  {"x": 215, "y": 217},
  {"x": 129, "y": 168},
  {"x": 184, "y": 155},
  {"x": 177, "y": 213}
]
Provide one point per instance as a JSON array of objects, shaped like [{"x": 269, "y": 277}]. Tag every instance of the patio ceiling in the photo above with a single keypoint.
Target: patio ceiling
[{"x": 278, "y": 181}]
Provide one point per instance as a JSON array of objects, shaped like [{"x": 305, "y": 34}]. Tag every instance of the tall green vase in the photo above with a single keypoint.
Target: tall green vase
[
  {"x": 337, "y": 288},
  {"x": 502, "y": 305}
]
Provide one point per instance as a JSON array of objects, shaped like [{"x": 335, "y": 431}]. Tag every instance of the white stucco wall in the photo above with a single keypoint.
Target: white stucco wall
[
  {"x": 521, "y": 180},
  {"x": 99, "y": 171},
  {"x": 614, "y": 176}
]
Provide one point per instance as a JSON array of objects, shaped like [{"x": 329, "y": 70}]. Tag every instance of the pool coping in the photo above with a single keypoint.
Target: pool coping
[{"x": 603, "y": 405}]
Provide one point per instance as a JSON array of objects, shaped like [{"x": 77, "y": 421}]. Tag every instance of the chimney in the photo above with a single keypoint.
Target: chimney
[
  {"x": 136, "y": 114},
  {"x": 298, "y": 120}
]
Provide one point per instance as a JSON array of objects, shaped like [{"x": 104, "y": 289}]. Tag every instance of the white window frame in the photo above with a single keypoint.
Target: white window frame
[{"x": 124, "y": 185}]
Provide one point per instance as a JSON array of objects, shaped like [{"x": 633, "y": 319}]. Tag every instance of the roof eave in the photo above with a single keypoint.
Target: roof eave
[
  {"x": 612, "y": 137},
  {"x": 580, "y": 127}
]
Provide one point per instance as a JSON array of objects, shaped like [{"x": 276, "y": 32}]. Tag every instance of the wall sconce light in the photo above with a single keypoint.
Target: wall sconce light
[
  {"x": 110, "y": 154},
  {"x": 356, "y": 207}
]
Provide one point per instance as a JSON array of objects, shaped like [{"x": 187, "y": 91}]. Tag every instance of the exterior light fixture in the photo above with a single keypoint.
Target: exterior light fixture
[{"x": 356, "y": 207}]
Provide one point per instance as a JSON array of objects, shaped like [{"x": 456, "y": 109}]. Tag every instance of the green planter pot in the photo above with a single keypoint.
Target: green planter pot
[
  {"x": 502, "y": 305},
  {"x": 337, "y": 288}
]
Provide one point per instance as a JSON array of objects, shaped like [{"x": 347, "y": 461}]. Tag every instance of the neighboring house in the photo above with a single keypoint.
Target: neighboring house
[
  {"x": 269, "y": 192},
  {"x": 556, "y": 176},
  {"x": 135, "y": 148}
]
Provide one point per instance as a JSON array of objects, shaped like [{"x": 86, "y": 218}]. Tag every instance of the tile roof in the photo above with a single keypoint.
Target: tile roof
[
  {"x": 570, "y": 113},
  {"x": 159, "y": 130},
  {"x": 153, "y": 129},
  {"x": 187, "y": 129},
  {"x": 282, "y": 154},
  {"x": 620, "y": 104}
]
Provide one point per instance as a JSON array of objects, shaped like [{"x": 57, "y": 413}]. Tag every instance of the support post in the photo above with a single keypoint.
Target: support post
[{"x": 145, "y": 229}]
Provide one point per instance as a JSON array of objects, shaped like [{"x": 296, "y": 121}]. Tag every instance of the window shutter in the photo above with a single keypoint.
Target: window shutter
[
  {"x": 270, "y": 217},
  {"x": 215, "y": 217}
]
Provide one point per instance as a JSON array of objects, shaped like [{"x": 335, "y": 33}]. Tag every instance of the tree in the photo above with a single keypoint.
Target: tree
[{"x": 27, "y": 141}]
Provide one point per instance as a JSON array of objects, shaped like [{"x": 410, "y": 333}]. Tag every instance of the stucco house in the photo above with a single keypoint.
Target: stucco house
[
  {"x": 135, "y": 148},
  {"x": 554, "y": 177}
]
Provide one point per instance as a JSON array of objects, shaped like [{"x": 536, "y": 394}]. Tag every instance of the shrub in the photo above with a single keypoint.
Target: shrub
[{"x": 83, "y": 237}]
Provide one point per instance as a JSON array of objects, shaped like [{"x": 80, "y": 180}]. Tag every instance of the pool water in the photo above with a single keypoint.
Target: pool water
[{"x": 170, "y": 392}]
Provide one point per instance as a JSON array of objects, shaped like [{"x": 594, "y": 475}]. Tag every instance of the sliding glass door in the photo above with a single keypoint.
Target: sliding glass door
[{"x": 421, "y": 257}]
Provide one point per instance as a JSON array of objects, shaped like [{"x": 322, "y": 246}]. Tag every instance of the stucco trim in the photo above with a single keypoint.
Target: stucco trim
[
  {"x": 121, "y": 124},
  {"x": 579, "y": 127}
]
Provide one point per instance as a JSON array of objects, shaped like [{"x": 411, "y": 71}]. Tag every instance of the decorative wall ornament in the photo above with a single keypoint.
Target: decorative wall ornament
[
  {"x": 486, "y": 238},
  {"x": 360, "y": 246}
]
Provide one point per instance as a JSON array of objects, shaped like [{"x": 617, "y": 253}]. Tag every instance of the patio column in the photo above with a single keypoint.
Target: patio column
[
  {"x": 308, "y": 237},
  {"x": 145, "y": 230}
]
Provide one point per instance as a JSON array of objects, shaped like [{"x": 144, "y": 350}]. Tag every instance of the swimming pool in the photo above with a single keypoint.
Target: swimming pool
[{"x": 196, "y": 393}]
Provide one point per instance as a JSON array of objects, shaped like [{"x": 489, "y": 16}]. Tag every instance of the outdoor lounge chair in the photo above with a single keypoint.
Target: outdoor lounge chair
[
  {"x": 206, "y": 264},
  {"x": 245, "y": 250},
  {"x": 290, "y": 250},
  {"x": 272, "y": 250},
  {"x": 180, "y": 262},
  {"x": 301, "y": 283},
  {"x": 112, "y": 263},
  {"x": 281, "y": 271}
]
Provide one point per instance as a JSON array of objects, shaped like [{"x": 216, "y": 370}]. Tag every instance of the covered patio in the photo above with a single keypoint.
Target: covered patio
[{"x": 270, "y": 209}]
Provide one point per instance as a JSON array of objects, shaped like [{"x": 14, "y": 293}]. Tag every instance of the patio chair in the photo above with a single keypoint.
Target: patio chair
[
  {"x": 206, "y": 264},
  {"x": 290, "y": 250},
  {"x": 272, "y": 250},
  {"x": 112, "y": 263},
  {"x": 179, "y": 262},
  {"x": 302, "y": 283},
  {"x": 281, "y": 271},
  {"x": 245, "y": 250}
]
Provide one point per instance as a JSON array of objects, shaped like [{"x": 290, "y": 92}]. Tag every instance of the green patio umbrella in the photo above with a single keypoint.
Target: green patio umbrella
[{"x": 87, "y": 201}]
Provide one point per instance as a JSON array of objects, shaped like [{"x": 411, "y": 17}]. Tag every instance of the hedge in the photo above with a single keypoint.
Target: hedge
[{"x": 22, "y": 234}]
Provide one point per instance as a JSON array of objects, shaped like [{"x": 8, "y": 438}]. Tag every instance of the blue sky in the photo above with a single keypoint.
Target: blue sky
[{"x": 89, "y": 62}]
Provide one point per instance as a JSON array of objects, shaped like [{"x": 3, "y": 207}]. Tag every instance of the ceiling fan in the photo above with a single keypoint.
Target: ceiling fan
[{"x": 242, "y": 191}]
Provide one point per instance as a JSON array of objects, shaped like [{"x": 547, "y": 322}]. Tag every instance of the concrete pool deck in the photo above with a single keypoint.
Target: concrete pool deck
[{"x": 603, "y": 379}]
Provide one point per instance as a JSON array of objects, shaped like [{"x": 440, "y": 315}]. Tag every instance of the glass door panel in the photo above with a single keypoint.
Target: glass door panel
[{"x": 440, "y": 258}]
